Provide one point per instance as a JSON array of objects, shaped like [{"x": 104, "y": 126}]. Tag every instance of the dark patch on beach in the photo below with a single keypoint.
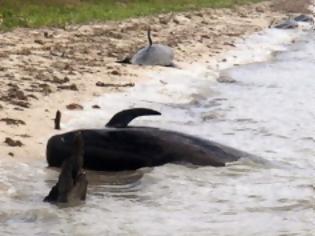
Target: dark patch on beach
[
  {"x": 13, "y": 143},
  {"x": 10, "y": 121},
  {"x": 101, "y": 84},
  {"x": 74, "y": 106},
  {"x": 72, "y": 87},
  {"x": 96, "y": 107}
]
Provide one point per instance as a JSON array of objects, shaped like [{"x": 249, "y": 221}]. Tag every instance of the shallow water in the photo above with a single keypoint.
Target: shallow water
[{"x": 268, "y": 111}]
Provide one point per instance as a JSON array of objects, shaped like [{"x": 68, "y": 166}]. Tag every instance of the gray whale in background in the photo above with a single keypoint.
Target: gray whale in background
[
  {"x": 293, "y": 23},
  {"x": 154, "y": 54},
  {"x": 119, "y": 147}
]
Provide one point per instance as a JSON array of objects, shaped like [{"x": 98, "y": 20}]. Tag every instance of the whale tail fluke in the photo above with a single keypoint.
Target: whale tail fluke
[
  {"x": 149, "y": 37},
  {"x": 72, "y": 183}
]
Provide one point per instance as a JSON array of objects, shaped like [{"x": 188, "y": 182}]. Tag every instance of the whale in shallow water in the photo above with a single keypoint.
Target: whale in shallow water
[{"x": 120, "y": 147}]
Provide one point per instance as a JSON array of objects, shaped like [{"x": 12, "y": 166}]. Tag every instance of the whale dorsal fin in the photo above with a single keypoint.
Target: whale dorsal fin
[{"x": 123, "y": 118}]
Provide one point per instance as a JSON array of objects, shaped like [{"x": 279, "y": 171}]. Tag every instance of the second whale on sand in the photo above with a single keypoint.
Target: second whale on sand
[{"x": 153, "y": 54}]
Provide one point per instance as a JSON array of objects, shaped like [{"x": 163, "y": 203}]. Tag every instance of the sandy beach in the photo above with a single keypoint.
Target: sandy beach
[{"x": 45, "y": 70}]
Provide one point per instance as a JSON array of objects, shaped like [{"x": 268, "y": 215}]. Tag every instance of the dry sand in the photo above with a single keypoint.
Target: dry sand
[{"x": 46, "y": 69}]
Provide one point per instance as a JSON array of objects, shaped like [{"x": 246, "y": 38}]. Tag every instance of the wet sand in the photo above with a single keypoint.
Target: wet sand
[{"x": 43, "y": 70}]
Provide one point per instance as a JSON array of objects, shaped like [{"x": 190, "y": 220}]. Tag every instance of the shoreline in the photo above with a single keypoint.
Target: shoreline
[{"x": 48, "y": 69}]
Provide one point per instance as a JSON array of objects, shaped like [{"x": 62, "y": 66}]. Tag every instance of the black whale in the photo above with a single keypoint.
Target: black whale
[{"x": 120, "y": 147}]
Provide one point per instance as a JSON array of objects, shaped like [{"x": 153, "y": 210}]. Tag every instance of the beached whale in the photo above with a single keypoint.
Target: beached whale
[
  {"x": 293, "y": 23},
  {"x": 72, "y": 183},
  {"x": 288, "y": 24},
  {"x": 153, "y": 54},
  {"x": 121, "y": 147},
  {"x": 304, "y": 18}
]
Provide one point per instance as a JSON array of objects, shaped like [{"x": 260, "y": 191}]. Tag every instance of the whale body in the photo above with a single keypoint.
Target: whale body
[{"x": 120, "y": 147}]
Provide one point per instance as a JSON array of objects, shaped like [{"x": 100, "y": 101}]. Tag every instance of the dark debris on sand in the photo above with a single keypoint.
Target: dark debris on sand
[
  {"x": 74, "y": 106},
  {"x": 13, "y": 143},
  {"x": 10, "y": 121},
  {"x": 101, "y": 84}
]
